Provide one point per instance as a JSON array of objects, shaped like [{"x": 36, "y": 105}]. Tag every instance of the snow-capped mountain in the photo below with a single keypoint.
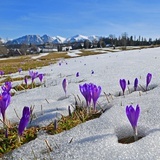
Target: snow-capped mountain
[
  {"x": 59, "y": 39},
  {"x": 37, "y": 40},
  {"x": 28, "y": 39},
  {"x": 77, "y": 38},
  {"x": 45, "y": 38}
]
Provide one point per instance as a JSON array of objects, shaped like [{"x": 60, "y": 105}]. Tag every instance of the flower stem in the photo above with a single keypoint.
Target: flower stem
[
  {"x": 135, "y": 134},
  {"x": 19, "y": 139}
]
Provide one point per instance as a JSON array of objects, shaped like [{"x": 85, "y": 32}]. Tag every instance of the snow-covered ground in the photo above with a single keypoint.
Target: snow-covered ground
[
  {"x": 96, "y": 139},
  {"x": 40, "y": 55}
]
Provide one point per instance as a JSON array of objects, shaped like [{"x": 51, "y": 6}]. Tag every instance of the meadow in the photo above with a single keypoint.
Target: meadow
[{"x": 62, "y": 127}]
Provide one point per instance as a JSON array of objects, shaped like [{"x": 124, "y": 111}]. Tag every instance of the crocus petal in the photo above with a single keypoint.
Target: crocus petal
[
  {"x": 7, "y": 87},
  {"x": 95, "y": 93},
  {"x": 92, "y": 72},
  {"x": 133, "y": 115},
  {"x": 20, "y": 70},
  {"x": 148, "y": 79},
  {"x": 24, "y": 120},
  {"x": 25, "y": 80},
  {"x": 135, "y": 84},
  {"x": 40, "y": 77},
  {"x": 86, "y": 92},
  {"x": 123, "y": 84},
  {"x": 64, "y": 84},
  {"x": 33, "y": 75},
  {"x": 137, "y": 113},
  {"x": 77, "y": 74},
  {"x": 5, "y": 99},
  {"x": 1, "y": 73},
  {"x": 128, "y": 82}
]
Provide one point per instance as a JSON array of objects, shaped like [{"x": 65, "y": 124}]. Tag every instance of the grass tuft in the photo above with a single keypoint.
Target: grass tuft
[{"x": 78, "y": 116}]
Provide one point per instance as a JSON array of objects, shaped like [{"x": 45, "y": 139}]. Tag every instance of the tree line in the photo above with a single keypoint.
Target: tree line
[{"x": 125, "y": 40}]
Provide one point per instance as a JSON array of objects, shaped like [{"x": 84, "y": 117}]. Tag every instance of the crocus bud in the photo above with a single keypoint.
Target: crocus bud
[
  {"x": 85, "y": 89},
  {"x": 123, "y": 84},
  {"x": 148, "y": 79},
  {"x": 20, "y": 70},
  {"x": 64, "y": 85},
  {"x": 77, "y": 74},
  {"x": 40, "y": 77},
  {"x": 135, "y": 84},
  {"x": 25, "y": 80},
  {"x": 95, "y": 94},
  {"x": 133, "y": 115},
  {"x": 24, "y": 120}
]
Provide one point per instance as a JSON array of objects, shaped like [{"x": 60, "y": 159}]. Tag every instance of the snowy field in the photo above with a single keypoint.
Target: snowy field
[{"x": 96, "y": 139}]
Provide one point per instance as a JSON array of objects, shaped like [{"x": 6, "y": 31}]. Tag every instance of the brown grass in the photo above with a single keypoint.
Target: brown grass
[
  {"x": 26, "y": 62},
  {"x": 88, "y": 53}
]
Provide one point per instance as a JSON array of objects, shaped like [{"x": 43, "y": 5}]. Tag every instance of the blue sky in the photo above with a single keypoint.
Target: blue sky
[{"x": 67, "y": 18}]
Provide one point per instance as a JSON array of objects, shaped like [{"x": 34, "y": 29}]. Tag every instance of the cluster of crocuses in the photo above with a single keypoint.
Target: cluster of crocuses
[
  {"x": 90, "y": 92},
  {"x": 133, "y": 114},
  {"x": 123, "y": 84},
  {"x": 5, "y": 99},
  {"x": 33, "y": 75}
]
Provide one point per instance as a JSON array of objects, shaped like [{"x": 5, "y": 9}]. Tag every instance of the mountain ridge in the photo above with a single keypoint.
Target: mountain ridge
[{"x": 38, "y": 40}]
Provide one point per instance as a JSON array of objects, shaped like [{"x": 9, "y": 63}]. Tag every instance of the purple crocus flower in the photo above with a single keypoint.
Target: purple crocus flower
[
  {"x": 24, "y": 120},
  {"x": 33, "y": 75},
  {"x": 86, "y": 92},
  {"x": 64, "y": 85},
  {"x": 1, "y": 73},
  {"x": 92, "y": 72},
  {"x": 95, "y": 93},
  {"x": 148, "y": 79},
  {"x": 25, "y": 80},
  {"x": 135, "y": 84},
  {"x": 133, "y": 115},
  {"x": 5, "y": 99},
  {"x": 7, "y": 87},
  {"x": 20, "y": 70},
  {"x": 77, "y": 74},
  {"x": 40, "y": 77},
  {"x": 129, "y": 82},
  {"x": 123, "y": 84}
]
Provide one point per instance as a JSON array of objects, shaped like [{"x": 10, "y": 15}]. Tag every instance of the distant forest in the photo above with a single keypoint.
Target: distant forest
[{"x": 125, "y": 40}]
